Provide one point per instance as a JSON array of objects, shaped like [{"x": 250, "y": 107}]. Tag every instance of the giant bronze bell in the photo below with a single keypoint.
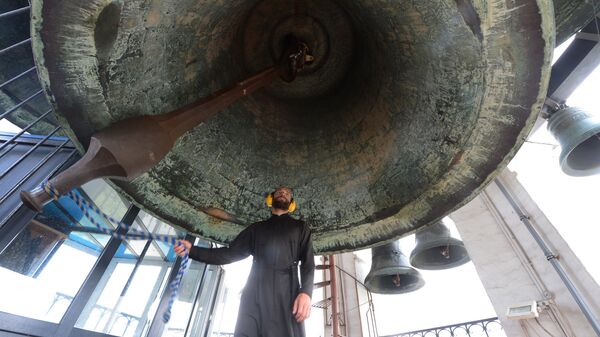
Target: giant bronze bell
[
  {"x": 402, "y": 112},
  {"x": 436, "y": 249},
  {"x": 390, "y": 271}
]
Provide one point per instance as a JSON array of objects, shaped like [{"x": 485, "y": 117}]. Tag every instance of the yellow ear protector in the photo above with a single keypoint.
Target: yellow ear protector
[{"x": 269, "y": 202}]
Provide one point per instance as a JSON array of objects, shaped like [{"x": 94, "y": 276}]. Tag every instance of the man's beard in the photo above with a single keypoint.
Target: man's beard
[{"x": 281, "y": 204}]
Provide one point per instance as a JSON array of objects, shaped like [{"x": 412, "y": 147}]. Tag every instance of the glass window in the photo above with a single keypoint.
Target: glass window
[
  {"x": 202, "y": 304},
  {"x": 42, "y": 269},
  {"x": 226, "y": 310},
  {"x": 44, "y": 266},
  {"x": 105, "y": 197},
  {"x": 128, "y": 294}
]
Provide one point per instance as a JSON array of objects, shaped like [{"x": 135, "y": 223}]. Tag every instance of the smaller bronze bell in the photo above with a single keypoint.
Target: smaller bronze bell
[
  {"x": 390, "y": 271},
  {"x": 435, "y": 249},
  {"x": 579, "y": 136}
]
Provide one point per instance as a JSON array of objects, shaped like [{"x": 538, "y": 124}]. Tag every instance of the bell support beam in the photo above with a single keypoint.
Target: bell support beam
[
  {"x": 131, "y": 147},
  {"x": 576, "y": 63}
]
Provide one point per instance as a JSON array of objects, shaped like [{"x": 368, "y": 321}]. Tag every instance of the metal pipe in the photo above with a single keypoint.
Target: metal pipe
[
  {"x": 553, "y": 259},
  {"x": 10, "y": 214},
  {"x": 334, "y": 304},
  {"x": 33, "y": 148},
  {"x": 14, "y": 12},
  {"x": 34, "y": 169},
  {"x": 7, "y": 49},
  {"x": 24, "y": 129},
  {"x": 14, "y": 108},
  {"x": 56, "y": 169},
  {"x": 17, "y": 77},
  {"x": 555, "y": 314},
  {"x": 8, "y": 150}
]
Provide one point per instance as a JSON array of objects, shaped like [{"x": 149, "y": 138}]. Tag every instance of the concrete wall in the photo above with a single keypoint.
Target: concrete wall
[{"x": 513, "y": 268}]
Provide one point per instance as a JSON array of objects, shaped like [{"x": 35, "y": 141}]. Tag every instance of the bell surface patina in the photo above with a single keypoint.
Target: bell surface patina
[{"x": 408, "y": 110}]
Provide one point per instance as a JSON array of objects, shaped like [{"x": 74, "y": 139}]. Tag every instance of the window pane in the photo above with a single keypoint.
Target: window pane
[
  {"x": 106, "y": 198},
  {"x": 192, "y": 308},
  {"x": 205, "y": 302},
  {"x": 44, "y": 267},
  {"x": 122, "y": 310},
  {"x": 126, "y": 299}
]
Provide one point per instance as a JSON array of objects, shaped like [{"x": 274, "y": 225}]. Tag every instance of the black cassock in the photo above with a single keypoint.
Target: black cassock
[{"x": 277, "y": 244}]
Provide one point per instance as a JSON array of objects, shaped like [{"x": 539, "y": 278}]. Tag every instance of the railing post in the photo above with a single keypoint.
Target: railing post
[{"x": 334, "y": 297}]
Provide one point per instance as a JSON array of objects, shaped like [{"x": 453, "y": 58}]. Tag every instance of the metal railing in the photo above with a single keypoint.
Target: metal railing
[
  {"x": 369, "y": 319},
  {"x": 25, "y": 160},
  {"x": 489, "y": 327}
]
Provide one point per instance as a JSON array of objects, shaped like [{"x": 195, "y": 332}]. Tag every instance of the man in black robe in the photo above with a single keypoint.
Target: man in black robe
[{"x": 274, "y": 303}]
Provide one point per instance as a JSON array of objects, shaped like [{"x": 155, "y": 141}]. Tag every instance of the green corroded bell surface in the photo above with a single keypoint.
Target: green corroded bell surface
[
  {"x": 572, "y": 15},
  {"x": 390, "y": 271},
  {"x": 409, "y": 108}
]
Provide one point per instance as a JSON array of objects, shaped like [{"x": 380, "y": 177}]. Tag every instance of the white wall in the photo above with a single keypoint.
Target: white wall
[{"x": 513, "y": 268}]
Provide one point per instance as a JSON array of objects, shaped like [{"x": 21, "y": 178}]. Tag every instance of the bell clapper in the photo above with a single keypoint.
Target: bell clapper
[
  {"x": 130, "y": 147},
  {"x": 445, "y": 251},
  {"x": 396, "y": 280}
]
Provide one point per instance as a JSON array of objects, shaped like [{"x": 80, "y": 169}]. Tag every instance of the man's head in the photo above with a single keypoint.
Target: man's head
[{"x": 282, "y": 198}]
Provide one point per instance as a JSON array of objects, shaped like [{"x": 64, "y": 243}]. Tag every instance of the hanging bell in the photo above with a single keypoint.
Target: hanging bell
[
  {"x": 435, "y": 249},
  {"x": 398, "y": 113},
  {"x": 579, "y": 136},
  {"x": 390, "y": 271}
]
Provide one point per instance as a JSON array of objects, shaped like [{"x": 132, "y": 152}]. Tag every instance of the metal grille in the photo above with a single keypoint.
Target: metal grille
[
  {"x": 25, "y": 158},
  {"x": 489, "y": 327}
]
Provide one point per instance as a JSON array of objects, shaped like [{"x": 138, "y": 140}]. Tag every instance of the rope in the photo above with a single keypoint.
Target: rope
[{"x": 85, "y": 206}]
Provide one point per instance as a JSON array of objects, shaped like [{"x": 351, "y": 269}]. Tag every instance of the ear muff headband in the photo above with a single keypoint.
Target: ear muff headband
[{"x": 269, "y": 202}]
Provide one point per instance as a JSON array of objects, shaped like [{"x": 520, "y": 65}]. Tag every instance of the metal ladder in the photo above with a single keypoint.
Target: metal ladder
[{"x": 333, "y": 299}]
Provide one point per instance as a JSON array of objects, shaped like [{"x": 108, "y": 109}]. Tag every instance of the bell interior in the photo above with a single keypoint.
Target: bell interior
[
  {"x": 432, "y": 258},
  {"x": 401, "y": 117},
  {"x": 584, "y": 156},
  {"x": 362, "y": 132}
]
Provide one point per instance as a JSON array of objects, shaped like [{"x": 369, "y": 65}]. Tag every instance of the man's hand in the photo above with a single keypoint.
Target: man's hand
[
  {"x": 301, "y": 309},
  {"x": 183, "y": 248}
]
